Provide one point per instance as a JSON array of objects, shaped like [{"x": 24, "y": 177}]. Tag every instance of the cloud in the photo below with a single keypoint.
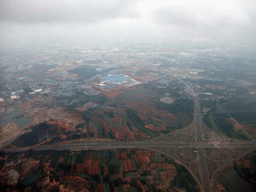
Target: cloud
[
  {"x": 219, "y": 20},
  {"x": 47, "y": 11},
  {"x": 222, "y": 20},
  {"x": 207, "y": 15}
]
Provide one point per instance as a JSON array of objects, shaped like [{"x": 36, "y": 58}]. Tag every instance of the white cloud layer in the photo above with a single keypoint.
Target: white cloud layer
[{"x": 218, "y": 20}]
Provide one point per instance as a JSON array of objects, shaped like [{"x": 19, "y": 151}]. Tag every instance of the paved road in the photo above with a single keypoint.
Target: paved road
[
  {"x": 197, "y": 120},
  {"x": 202, "y": 162},
  {"x": 199, "y": 145},
  {"x": 136, "y": 144},
  {"x": 227, "y": 164},
  {"x": 203, "y": 168}
]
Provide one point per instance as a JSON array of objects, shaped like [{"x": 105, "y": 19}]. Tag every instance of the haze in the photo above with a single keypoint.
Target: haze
[{"x": 226, "y": 22}]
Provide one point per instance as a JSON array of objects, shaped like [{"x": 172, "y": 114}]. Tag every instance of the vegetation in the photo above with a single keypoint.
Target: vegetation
[
  {"x": 180, "y": 106},
  {"x": 245, "y": 118},
  {"x": 39, "y": 133},
  {"x": 207, "y": 120},
  {"x": 227, "y": 178},
  {"x": 139, "y": 123},
  {"x": 84, "y": 72},
  {"x": 246, "y": 168},
  {"x": 221, "y": 121},
  {"x": 136, "y": 169},
  {"x": 240, "y": 105}
]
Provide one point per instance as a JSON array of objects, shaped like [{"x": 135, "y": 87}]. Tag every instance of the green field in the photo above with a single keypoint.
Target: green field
[{"x": 233, "y": 182}]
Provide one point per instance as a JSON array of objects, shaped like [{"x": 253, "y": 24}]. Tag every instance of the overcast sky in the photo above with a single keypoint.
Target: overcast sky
[{"x": 113, "y": 20}]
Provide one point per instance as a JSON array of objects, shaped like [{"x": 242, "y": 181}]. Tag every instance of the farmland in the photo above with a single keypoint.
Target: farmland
[
  {"x": 134, "y": 114},
  {"x": 119, "y": 170}
]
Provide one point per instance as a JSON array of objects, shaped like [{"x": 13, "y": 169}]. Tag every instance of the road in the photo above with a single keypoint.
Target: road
[
  {"x": 197, "y": 120},
  {"x": 199, "y": 144},
  {"x": 202, "y": 163},
  {"x": 136, "y": 144},
  {"x": 203, "y": 170},
  {"x": 229, "y": 163}
]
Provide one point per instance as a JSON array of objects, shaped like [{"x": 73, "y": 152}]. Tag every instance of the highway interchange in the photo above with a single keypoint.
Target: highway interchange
[{"x": 160, "y": 146}]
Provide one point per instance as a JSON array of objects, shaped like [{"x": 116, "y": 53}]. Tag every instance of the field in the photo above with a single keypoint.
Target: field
[
  {"x": 119, "y": 170},
  {"x": 136, "y": 114},
  {"x": 227, "y": 178},
  {"x": 222, "y": 124},
  {"x": 244, "y": 111},
  {"x": 220, "y": 121},
  {"x": 240, "y": 176}
]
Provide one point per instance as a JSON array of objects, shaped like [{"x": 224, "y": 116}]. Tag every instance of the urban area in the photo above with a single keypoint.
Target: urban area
[{"x": 145, "y": 117}]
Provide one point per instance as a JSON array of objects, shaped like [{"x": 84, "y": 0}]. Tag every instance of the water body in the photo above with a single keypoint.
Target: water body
[{"x": 15, "y": 117}]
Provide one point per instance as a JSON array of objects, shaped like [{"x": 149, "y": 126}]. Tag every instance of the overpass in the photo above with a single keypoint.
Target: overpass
[{"x": 161, "y": 146}]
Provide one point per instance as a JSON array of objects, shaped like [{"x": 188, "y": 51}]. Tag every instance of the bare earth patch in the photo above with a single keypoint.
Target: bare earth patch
[
  {"x": 166, "y": 100},
  {"x": 8, "y": 132}
]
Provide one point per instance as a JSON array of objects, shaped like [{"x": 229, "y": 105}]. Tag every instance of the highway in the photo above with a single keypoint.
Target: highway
[
  {"x": 203, "y": 170},
  {"x": 229, "y": 163},
  {"x": 135, "y": 144},
  {"x": 198, "y": 144},
  {"x": 202, "y": 162},
  {"x": 197, "y": 120}
]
